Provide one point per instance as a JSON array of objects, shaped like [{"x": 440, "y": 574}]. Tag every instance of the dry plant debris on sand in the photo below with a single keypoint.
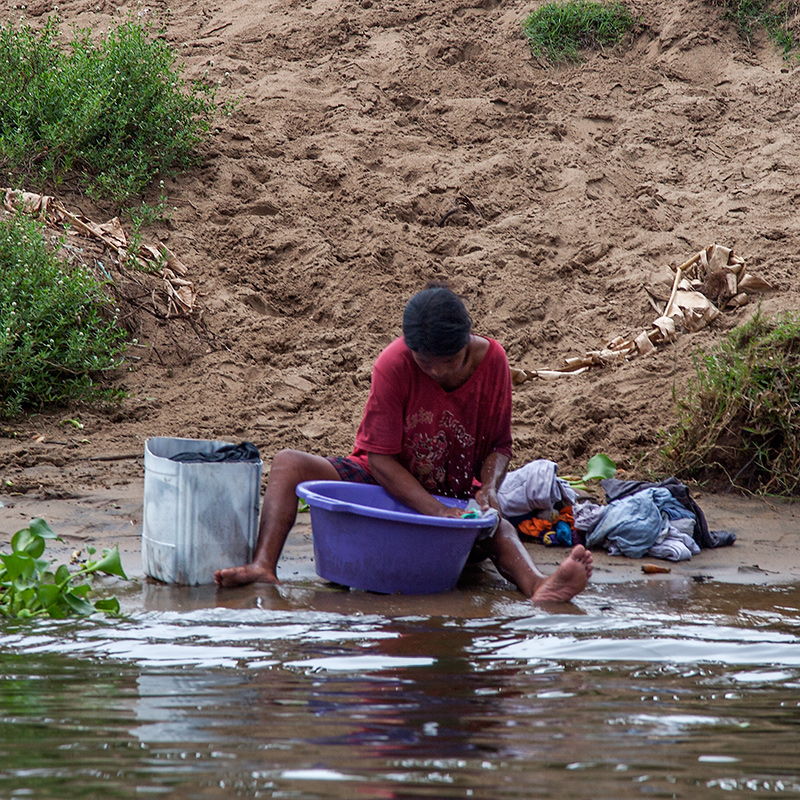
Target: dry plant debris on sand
[
  {"x": 180, "y": 292},
  {"x": 710, "y": 281}
]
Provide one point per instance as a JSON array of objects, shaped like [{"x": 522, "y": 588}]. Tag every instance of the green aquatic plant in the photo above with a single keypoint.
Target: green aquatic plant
[
  {"x": 558, "y": 31},
  {"x": 30, "y": 587},
  {"x": 598, "y": 467},
  {"x": 739, "y": 420}
]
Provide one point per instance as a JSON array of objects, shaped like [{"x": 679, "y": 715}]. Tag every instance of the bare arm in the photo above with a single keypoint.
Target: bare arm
[
  {"x": 492, "y": 473},
  {"x": 403, "y": 486}
]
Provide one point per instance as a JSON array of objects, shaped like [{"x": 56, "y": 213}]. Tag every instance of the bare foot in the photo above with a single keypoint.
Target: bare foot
[
  {"x": 240, "y": 576},
  {"x": 568, "y": 580}
]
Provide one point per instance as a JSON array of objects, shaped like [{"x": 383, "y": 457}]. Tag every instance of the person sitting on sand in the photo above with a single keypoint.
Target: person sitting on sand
[{"x": 437, "y": 417}]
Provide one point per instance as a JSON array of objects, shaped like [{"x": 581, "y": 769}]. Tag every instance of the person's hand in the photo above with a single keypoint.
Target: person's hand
[
  {"x": 486, "y": 498},
  {"x": 449, "y": 511}
]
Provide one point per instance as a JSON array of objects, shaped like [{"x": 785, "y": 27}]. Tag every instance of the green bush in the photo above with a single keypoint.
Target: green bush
[
  {"x": 558, "y": 31},
  {"x": 740, "y": 419},
  {"x": 55, "y": 334},
  {"x": 777, "y": 18},
  {"x": 114, "y": 114}
]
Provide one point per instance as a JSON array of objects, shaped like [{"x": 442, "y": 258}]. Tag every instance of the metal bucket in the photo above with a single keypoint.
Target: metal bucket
[{"x": 197, "y": 517}]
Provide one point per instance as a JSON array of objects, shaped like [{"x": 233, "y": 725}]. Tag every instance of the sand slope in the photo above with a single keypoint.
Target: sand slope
[{"x": 315, "y": 212}]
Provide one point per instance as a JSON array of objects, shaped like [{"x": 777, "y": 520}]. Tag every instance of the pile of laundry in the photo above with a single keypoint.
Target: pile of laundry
[{"x": 660, "y": 520}]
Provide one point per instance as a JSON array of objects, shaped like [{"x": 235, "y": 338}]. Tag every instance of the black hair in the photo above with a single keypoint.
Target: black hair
[{"x": 436, "y": 322}]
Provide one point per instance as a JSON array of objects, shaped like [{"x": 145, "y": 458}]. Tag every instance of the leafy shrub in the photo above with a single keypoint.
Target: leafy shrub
[
  {"x": 55, "y": 336},
  {"x": 114, "y": 114},
  {"x": 29, "y": 588},
  {"x": 740, "y": 420},
  {"x": 559, "y": 30}
]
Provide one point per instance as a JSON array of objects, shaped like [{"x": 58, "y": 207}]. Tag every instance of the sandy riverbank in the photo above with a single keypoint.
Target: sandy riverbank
[
  {"x": 325, "y": 200},
  {"x": 767, "y": 550}
]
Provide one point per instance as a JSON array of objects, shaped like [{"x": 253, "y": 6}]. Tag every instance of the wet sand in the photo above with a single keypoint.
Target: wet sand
[
  {"x": 325, "y": 199},
  {"x": 766, "y": 552}
]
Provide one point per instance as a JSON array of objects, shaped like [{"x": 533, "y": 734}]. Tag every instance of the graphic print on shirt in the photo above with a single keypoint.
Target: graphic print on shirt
[
  {"x": 451, "y": 423},
  {"x": 431, "y": 454},
  {"x": 422, "y": 417},
  {"x": 428, "y": 454}
]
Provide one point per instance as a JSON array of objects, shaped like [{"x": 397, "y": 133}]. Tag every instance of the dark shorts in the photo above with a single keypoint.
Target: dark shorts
[{"x": 350, "y": 470}]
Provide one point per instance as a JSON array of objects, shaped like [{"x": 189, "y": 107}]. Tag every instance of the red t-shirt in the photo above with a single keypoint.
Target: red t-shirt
[{"x": 442, "y": 438}]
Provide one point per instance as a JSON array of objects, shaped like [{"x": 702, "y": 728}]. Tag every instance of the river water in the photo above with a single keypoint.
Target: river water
[{"x": 665, "y": 689}]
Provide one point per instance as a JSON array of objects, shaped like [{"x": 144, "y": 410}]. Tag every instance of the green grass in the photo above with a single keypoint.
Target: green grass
[
  {"x": 109, "y": 115},
  {"x": 57, "y": 332},
  {"x": 740, "y": 419},
  {"x": 778, "y": 19},
  {"x": 559, "y": 31}
]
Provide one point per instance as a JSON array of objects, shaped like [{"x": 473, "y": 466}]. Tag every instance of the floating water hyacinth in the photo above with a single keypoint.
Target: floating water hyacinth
[{"x": 30, "y": 588}]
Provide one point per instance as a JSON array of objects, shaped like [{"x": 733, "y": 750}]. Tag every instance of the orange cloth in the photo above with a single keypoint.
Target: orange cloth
[{"x": 535, "y": 528}]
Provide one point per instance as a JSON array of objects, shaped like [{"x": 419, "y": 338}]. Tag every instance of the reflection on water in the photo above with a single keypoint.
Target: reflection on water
[{"x": 641, "y": 691}]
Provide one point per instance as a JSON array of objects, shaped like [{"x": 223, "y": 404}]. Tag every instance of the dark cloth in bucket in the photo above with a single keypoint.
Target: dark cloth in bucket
[{"x": 246, "y": 451}]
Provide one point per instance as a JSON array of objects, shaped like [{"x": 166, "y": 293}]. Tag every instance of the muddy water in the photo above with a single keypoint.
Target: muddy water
[{"x": 679, "y": 690}]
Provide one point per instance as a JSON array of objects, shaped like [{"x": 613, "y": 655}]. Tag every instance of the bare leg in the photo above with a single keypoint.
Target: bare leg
[
  {"x": 278, "y": 513},
  {"x": 515, "y": 564}
]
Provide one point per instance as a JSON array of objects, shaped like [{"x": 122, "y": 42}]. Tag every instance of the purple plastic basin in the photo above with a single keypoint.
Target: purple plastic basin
[{"x": 366, "y": 539}]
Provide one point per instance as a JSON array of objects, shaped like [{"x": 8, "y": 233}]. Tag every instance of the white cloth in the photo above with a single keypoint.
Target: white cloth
[
  {"x": 676, "y": 544},
  {"x": 534, "y": 485}
]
